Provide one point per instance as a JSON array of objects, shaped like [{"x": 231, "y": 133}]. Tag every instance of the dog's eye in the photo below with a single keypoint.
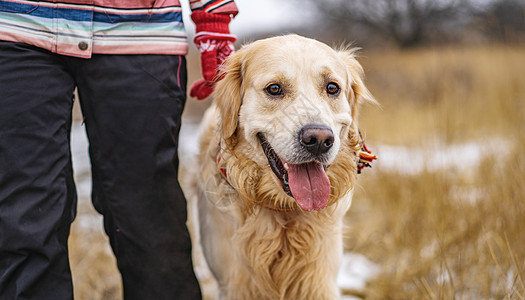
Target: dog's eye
[
  {"x": 332, "y": 88},
  {"x": 274, "y": 89}
]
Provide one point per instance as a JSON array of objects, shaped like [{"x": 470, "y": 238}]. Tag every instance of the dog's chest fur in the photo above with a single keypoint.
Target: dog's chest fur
[{"x": 285, "y": 256}]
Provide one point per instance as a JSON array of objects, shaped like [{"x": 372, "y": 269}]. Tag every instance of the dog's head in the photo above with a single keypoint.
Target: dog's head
[{"x": 291, "y": 102}]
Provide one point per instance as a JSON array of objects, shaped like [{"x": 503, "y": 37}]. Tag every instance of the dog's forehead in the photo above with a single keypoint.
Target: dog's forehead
[{"x": 293, "y": 55}]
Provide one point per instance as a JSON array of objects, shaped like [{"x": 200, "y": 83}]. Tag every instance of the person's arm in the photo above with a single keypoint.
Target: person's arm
[{"x": 214, "y": 41}]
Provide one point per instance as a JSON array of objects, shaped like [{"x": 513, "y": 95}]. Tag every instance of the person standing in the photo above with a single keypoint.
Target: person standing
[{"x": 127, "y": 61}]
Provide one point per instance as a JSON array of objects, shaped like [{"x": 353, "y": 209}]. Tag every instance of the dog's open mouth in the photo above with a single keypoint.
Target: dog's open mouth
[{"x": 307, "y": 183}]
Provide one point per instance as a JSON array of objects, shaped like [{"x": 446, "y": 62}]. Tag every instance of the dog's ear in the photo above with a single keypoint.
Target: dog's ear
[
  {"x": 228, "y": 95},
  {"x": 356, "y": 75},
  {"x": 358, "y": 94}
]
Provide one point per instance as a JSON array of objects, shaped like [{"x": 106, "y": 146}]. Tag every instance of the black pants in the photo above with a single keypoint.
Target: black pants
[{"x": 132, "y": 106}]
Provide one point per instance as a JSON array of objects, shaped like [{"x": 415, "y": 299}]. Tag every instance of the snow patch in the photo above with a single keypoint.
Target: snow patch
[
  {"x": 436, "y": 156},
  {"x": 356, "y": 270}
]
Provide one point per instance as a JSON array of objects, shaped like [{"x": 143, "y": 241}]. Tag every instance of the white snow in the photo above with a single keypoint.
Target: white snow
[
  {"x": 355, "y": 271},
  {"x": 80, "y": 157},
  {"x": 188, "y": 140},
  {"x": 436, "y": 156}
]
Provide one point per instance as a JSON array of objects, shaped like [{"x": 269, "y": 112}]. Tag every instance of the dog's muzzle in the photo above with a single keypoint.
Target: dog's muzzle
[{"x": 306, "y": 181}]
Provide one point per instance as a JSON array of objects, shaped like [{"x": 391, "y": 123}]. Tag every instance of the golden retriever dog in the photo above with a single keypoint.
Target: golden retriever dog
[{"x": 277, "y": 164}]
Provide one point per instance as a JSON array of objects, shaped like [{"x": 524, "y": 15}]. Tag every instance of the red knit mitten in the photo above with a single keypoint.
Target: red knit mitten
[{"x": 214, "y": 41}]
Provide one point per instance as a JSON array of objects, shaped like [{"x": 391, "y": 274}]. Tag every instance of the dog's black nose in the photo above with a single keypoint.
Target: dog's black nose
[{"x": 317, "y": 139}]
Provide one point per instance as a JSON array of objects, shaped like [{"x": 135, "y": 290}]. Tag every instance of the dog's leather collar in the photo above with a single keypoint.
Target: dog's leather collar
[
  {"x": 365, "y": 156},
  {"x": 365, "y": 159},
  {"x": 218, "y": 159}
]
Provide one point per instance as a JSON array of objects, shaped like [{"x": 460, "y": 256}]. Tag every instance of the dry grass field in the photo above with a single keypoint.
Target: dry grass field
[
  {"x": 453, "y": 232},
  {"x": 457, "y": 232}
]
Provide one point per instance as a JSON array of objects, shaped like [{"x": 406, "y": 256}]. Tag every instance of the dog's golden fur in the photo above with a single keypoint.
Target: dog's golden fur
[{"x": 257, "y": 241}]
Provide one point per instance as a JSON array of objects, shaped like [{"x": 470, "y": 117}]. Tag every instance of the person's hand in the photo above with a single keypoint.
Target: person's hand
[{"x": 215, "y": 43}]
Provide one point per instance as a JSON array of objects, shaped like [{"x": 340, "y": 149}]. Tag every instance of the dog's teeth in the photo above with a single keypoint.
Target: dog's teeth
[{"x": 286, "y": 166}]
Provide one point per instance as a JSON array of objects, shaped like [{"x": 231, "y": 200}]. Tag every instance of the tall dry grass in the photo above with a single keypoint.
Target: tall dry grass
[
  {"x": 455, "y": 233},
  {"x": 456, "y": 93},
  {"x": 443, "y": 234}
]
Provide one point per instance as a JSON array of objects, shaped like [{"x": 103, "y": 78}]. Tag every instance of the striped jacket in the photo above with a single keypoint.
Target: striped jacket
[{"x": 85, "y": 27}]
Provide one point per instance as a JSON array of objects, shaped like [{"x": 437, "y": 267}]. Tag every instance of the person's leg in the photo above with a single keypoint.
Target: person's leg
[
  {"x": 132, "y": 106},
  {"x": 37, "y": 193}
]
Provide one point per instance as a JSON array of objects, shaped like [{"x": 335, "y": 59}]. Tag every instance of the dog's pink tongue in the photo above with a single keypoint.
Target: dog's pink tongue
[{"x": 309, "y": 185}]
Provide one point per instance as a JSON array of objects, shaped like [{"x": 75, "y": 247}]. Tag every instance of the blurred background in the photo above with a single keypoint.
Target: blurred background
[{"x": 441, "y": 215}]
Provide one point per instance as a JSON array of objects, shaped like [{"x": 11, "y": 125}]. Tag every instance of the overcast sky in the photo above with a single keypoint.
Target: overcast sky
[{"x": 260, "y": 16}]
